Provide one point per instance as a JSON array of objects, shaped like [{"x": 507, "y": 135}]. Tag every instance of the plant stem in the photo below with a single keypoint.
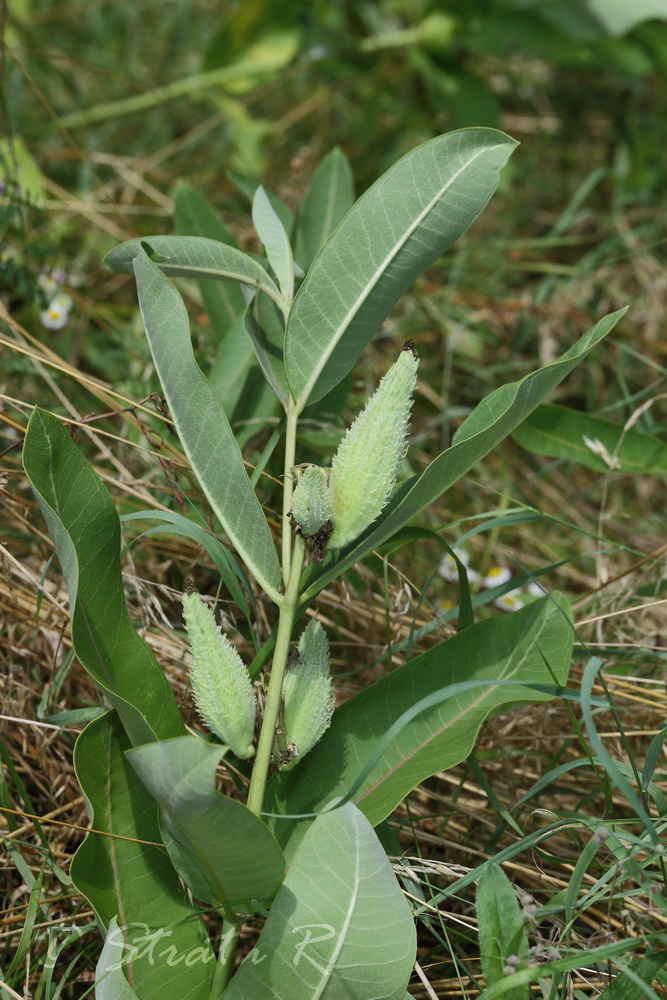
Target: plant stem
[
  {"x": 228, "y": 941},
  {"x": 290, "y": 453},
  {"x": 290, "y": 603}
]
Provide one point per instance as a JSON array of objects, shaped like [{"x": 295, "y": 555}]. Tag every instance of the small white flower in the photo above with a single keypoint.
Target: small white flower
[
  {"x": 510, "y": 601},
  {"x": 496, "y": 576},
  {"x": 55, "y": 316},
  {"x": 535, "y": 589},
  {"x": 449, "y": 570},
  {"x": 47, "y": 283}
]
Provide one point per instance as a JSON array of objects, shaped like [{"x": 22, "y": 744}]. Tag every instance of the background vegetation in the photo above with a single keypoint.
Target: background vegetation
[{"x": 107, "y": 108}]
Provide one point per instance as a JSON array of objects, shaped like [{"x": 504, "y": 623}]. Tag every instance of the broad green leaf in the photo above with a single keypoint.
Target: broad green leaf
[
  {"x": 84, "y": 526},
  {"x": 258, "y": 409},
  {"x": 276, "y": 243},
  {"x": 195, "y": 216},
  {"x": 598, "y": 444},
  {"x": 225, "y": 563},
  {"x": 196, "y": 257},
  {"x": 339, "y": 928},
  {"x": 224, "y": 853},
  {"x": 400, "y": 226},
  {"x": 496, "y": 416},
  {"x": 329, "y": 197},
  {"x": 234, "y": 363},
  {"x": 618, "y": 16},
  {"x": 126, "y": 874},
  {"x": 513, "y": 647},
  {"x": 266, "y": 329},
  {"x": 502, "y": 929},
  {"x": 202, "y": 426},
  {"x": 110, "y": 983}
]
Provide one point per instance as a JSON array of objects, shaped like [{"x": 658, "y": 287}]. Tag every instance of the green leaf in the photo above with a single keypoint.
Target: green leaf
[
  {"x": 195, "y": 216},
  {"x": 110, "y": 983},
  {"x": 502, "y": 931},
  {"x": 224, "y": 853},
  {"x": 329, "y": 197},
  {"x": 561, "y": 433},
  {"x": 618, "y": 16},
  {"x": 225, "y": 563},
  {"x": 403, "y": 223},
  {"x": 514, "y": 647},
  {"x": 631, "y": 985},
  {"x": 166, "y": 951},
  {"x": 84, "y": 526},
  {"x": 234, "y": 364},
  {"x": 202, "y": 426},
  {"x": 339, "y": 926},
  {"x": 196, "y": 257},
  {"x": 265, "y": 327},
  {"x": 496, "y": 416},
  {"x": 276, "y": 243}
]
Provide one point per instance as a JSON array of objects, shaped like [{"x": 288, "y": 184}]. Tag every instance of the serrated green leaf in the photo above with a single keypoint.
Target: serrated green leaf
[
  {"x": 496, "y": 416},
  {"x": 514, "y": 647},
  {"x": 339, "y": 927},
  {"x": 84, "y": 525},
  {"x": 403, "y": 223},
  {"x": 502, "y": 930},
  {"x": 561, "y": 432},
  {"x": 196, "y": 257},
  {"x": 330, "y": 195},
  {"x": 225, "y": 854},
  {"x": 202, "y": 425},
  {"x": 166, "y": 952}
]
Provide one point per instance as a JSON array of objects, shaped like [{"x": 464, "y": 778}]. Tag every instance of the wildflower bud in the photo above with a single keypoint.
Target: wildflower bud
[
  {"x": 221, "y": 686},
  {"x": 312, "y": 500},
  {"x": 309, "y": 697},
  {"x": 369, "y": 458}
]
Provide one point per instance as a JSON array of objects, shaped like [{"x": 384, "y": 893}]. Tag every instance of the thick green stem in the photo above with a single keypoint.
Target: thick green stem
[
  {"x": 288, "y": 485},
  {"x": 290, "y": 603},
  {"x": 223, "y": 970}
]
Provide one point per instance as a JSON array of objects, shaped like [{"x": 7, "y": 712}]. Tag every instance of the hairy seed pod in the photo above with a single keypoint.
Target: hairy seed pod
[
  {"x": 309, "y": 697},
  {"x": 312, "y": 500},
  {"x": 369, "y": 458},
  {"x": 223, "y": 693}
]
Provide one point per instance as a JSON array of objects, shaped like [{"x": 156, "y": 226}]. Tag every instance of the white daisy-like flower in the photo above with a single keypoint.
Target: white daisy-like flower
[
  {"x": 510, "y": 601},
  {"x": 496, "y": 575},
  {"x": 449, "y": 570},
  {"x": 47, "y": 283},
  {"x": 55, "y": 316},
  {"x": 535, "y": 589}
]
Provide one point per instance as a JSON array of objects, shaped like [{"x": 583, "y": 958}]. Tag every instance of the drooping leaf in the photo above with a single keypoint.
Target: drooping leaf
[
  {"x": 496, "y": 416},
  {"x": 196, "y": 257},
  {"x": 403, "y": 223},
  {"x": 84, "y": 525},
  {"x": 513, "y": 647},
  {"x": 561, "y": 432},
  {"x": 339, "y": 927},
  {"x": 502, "y": 929},
  {"x": 224, "y": 853},
  {"x": 329, "y": 196},
  {"x": 276, "y": 243},
  {"x": 124, "y": 872},
  {"x": 202, "y": 425}
]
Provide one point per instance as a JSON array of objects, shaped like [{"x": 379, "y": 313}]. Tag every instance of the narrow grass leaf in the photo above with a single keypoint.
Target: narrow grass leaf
[
  {"x": 561, "y": 432},
  {"x": 196, "y": 257},
  {"x": 84, "y": 526},
  {"x": 339, "y": 926},
  {"x": 400, "y": 226},
  {"x": 165, "y": 947},
  {"x": 202, "y": 425},
  {"x": 224, "y": 853}
]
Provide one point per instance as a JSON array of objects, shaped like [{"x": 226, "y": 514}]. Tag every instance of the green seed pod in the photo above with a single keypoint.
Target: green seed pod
[
  {"x": 309, "y": 697},
  {"x": 223, "y": 693},
  {"x": 312, "y": 500},
  {"x": 369, "y": 458}
]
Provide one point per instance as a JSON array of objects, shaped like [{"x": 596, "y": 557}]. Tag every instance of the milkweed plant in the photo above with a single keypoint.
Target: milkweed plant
[{"x": 295, "y": 849}]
